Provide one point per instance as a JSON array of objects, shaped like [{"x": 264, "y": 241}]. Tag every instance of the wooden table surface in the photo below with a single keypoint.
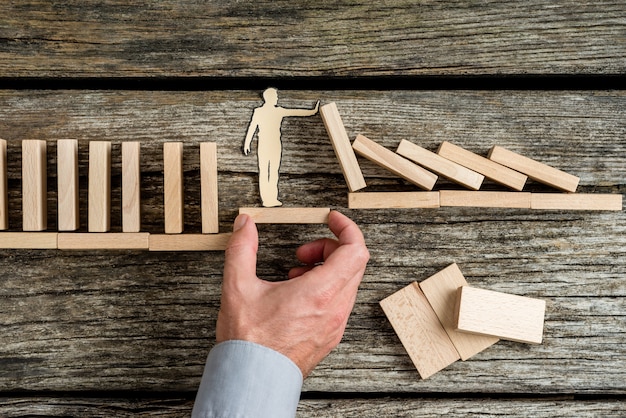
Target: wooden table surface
[{"x": 126, "y": 333}]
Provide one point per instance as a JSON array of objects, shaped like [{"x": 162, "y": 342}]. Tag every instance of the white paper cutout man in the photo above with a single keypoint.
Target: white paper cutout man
[{"x": 267, "y": 119}]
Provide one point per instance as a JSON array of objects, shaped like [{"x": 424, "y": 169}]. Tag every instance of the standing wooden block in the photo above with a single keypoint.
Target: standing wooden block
[
  {"x": 442, "y": 166},
  {"x": 441, "y": 290},
  {"x": 34, "y": 198},
  {"x": 509, "y": 317},
  {"x": 28, "y": 240},
  {"x": 104, "y": 241},
  {"x": 287, "y": 215},
  {"x": 4, "y": 187},
  {"x": 393, "y": 200},
  {"x": 173, "y": 187},
  {"x": 576, "y": 201},
  {"x": 131, "y": 189},
  {"x": 466, "y": 198},
  {"x": 341, "y": 144},
  {"x": 492, "y": 170},
  {"x": 394, "y": 163},
  {"x": 208, "y": 185},
  {"x": 189, "y": 242},
  {"x": 99, "y": 199},
  {"x": 67, "y": 184},
  {"x": 419, "y": 330},
  {"x": 534, "y": 169}
]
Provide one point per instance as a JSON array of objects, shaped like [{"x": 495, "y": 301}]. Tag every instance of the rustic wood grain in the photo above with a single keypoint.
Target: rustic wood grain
[{"x": 271, "y": 38}]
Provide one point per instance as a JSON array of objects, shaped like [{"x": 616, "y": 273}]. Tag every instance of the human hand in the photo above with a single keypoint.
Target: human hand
[{"x": 304, "y": 317}]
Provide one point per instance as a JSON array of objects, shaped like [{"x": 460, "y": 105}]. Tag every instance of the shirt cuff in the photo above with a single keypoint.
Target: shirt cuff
[{"x": 244, "y": 379}]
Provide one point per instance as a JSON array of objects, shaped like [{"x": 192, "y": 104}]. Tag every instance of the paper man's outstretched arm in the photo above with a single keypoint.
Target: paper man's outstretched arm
[
  {"x": 302, "y": 112},
  {"x": 254, "y": 124}
]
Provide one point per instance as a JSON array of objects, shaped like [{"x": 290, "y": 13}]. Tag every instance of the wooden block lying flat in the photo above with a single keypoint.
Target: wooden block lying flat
[
  {"x": 99, "y": 200},
  {"x": 189, "y": 242},
  {"x": 4, "y": 187},
  {"x": 442, "y": 166},
  {"x": 287, "y": 215},
  {"x": 208, "y": 188},
  {"x": 576, "y": 201},
  {"x": 419, "y": 330},
  {"x": 173, "y": 187},
  {"x": 537, "y": 171},
  {"x": 441, "y": 291},
  {"x": 67, "y": 184},
  {"x": 394, "y": 163},
  {"x": 480, "y": 199},
  {"x": 104, "y": 241},
  {"x": 393, "y": 200},
  {"x": 509, "y": 317},
  {"x": 28, "y": 240},
  {"x": 131, "y": 189},
  {"x": 492, "y": 170},
  {"x": 34, "y": 176},
  {"x": 341, "y": 144}
]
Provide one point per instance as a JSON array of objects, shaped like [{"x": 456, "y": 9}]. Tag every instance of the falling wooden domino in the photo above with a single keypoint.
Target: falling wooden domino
[
  {"x": 495, "y": 314},
  {"x": 484, "y": 199},
  {"x": 576, "y": 201},
  {"x": 99, "y": 199},
  {"x": 34, "y": 198},
  {"x": 394, "y": 163},
  {"x": 4, "y": 188},
  {"x": 419, "y": 330},
  {"x": 208, "y": 188},
  {"x": 537, "y": 171},
  {"x": 67, "y": 184},
  {"x": 131, "y": 190},
  {"x": 341, "y": 144},
  {"x": 287, "y": 215},
  {"x": 490, "y": 169},
  {"x": 173, "y": 187},
  {"x": 442, "y": 166},
  {"x": 441, "y": 291},
  {"x": 29, "y": 240},
  {"x": 393, "y": 200},
  {"x": 189, "y": 242},
  {"x": 103, "y": 241}
]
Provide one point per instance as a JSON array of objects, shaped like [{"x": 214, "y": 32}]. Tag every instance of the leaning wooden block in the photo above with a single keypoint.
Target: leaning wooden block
[
  {"x": 576, "y": 201},
  {"x": 67, "y": 181},
  {"x": 99, "y": 199},
  {"x": 442, "y": 166},
  {"x": 189, "y": 242},
  {"x": 441, "y": 291},
  {"x": 495, "y": 314},
  {"x": 104, "y": 241},
  {"x": 393, "y": 200},
  {"x": 209, "y": 204},
  {"x": 34, "y": 176},
  {"x": 537, "y": 171},
  {"x": 131, "y": 190},
  {"x": 341, "y": 144},
  {"x": 4, "y": 188},
  {"x": 419, "y": 330},
  {"x": 394, "y": 163},
  {"x": 28, "y": 240},
  {"x": 492, "y": 170},
  {"x": 465, "y": 198},
  {"x": 173, "y": 187},
  {"x": 287, "y": 215}
]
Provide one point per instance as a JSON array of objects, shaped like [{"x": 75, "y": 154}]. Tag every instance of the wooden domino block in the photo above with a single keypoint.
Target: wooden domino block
[
  {"x": 440, "y": 290},
  {"x": 393, "y": 200},
  {"x": 480, "y": 199},
  {"x": 287, "y": 215},
  {"x": 4, "y": 187},
  {"x": 28, "y": 240},
  {"x": 442, "y": 166},
  {"x": 208, "y": 184},
  {"x": 419, "y": 330},
  {"x": 173, "y": 187},
  {"x": 131, "y": 189},
  {"x": 67, "y": 184},
  {"x": 490, "y": 169},
  {"x": 341, "y": 144},
  {"x": 104, "y": 241},
  {"x": 34, "y": 176},
  {"x": 394, "y": 163},
  {"x": 189, "y": 242},
  {"x": 495, "y": 314},
  {"x": 537, "y": 171},
  {"x": 99, "y": 193},
  {"x": 576, "y": 201}
]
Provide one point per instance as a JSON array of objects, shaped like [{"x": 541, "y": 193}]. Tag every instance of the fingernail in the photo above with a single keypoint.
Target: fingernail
[{"x": 240, "y": 221}]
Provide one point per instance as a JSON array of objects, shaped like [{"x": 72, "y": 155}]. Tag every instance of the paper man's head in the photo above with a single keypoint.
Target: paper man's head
[{"x": 271, "y": 96}]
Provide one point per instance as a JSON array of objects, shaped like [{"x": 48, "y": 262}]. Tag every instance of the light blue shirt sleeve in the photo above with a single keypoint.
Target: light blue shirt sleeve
[{"x": 242, "y": 379}]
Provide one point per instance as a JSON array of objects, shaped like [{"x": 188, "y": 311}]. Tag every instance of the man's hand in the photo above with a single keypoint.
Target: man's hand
[{"x": 304, "y": 317}]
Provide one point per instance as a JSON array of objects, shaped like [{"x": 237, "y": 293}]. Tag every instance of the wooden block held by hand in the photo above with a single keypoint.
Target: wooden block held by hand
[
  {"x": 509, "y": 317},
  {"x": 4, "y": 189},
  {"x": 341, "y": 144},
  {"x": 480, "y": 199},
  {"x": 576, "y": 201},
  {"x": 442, "y": 166},
  {"x": 419, "y": 330},
  {"x": 208, "y": 188},
  {"x": 173, "y": 187},
  {"x": 131, "y": 186},
  {"x": 34, "y": 193},
  {"x": 394, "y": 163},
  {"x": 441, "y": 291},
  {"x": 99, "y": 211},
  {"x": 287, "y": 215},
  {"x": 67, "y": 184},
  {"x": 393, "y": 200}
]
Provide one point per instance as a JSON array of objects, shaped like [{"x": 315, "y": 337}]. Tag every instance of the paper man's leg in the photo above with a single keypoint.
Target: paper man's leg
[{"x": 269, "y": 163}]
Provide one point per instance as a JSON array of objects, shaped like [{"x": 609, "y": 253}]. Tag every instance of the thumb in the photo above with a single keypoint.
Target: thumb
[{"x": 240, "y": 254}]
